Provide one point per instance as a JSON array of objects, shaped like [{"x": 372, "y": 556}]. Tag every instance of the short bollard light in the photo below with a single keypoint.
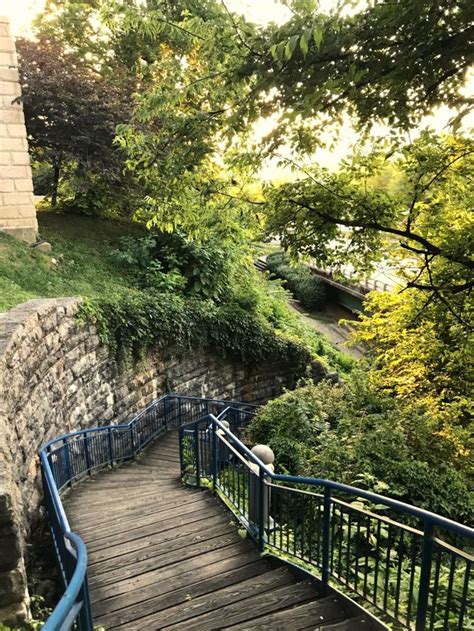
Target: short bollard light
[{"x": 266, "y": 455}]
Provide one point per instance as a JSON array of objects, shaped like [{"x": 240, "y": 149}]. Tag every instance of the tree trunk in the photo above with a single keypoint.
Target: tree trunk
[{"x": 54, "y": 192}]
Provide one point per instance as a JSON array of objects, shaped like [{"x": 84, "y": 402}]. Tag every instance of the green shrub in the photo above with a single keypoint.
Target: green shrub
[
  {"x": 350, "y": 434},
  {"x": 133, "y": 323},
  {"x": 170, "y": 261},
  {"x": 298, "y": 279}
]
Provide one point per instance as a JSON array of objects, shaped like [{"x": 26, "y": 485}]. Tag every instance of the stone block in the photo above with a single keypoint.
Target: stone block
[
  {"x": 9, "y": 73},
  {"x": 14, "y": 172},
  {"x": 4, "y": 29},
  {"x": 13, "y": 144},
  {"x": 16, "y": 198},
  {"x": 16, "y": 130},
  {"x": 9, "y": 58},
  {"x": 24, "y": 185},
  {"x": 7, "y": 44},
  {"x": 10, "y": 88},
  {"x": 7, "y": 186},
  {"x": 20, "y": 158}
]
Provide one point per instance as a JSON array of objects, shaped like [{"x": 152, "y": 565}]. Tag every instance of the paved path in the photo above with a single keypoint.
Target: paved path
[
  {"x": 162, "y": 556},
  {"x": 329, "y": 326}
]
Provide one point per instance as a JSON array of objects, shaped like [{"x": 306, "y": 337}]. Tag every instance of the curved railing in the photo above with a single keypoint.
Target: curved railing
[
  {"x": 410, "y": 565},
  {"x": 70, "y": 458}
]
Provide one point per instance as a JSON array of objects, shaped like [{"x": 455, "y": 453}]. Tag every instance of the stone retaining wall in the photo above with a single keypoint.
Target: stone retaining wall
[{"x": 57, "y": 377}]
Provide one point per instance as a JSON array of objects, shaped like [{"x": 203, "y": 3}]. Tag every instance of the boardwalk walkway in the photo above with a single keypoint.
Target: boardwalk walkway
[{"x": 163, "y": 556}]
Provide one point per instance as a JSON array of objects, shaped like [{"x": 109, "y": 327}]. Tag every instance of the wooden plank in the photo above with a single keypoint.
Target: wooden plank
[
  {"x": 200, "y": 612},
  {"x": 144, "y": 531},
  {"x": 168, "y": 583},
  {"x": 154, "y": 558},
  {"x": 240, "y": 610},
  {"x": 104, "y": 500},
  {"x": 105, "y": 519},
  {"x": 104, "y": 530},
  {"x": 181, "y": 595},
  {"x": 361, "y": 623},
  {"x": 329, "y": 609},
  {"x": 271, "y": 600},
  {"x": 157, "y": 547},
  {"x": 127, "y": 584},
  {"x": 215, "y": 523},
  {"x": 120, "y": 574}
]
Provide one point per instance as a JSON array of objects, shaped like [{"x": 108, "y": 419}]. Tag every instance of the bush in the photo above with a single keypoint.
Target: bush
[
  {"x": 170, "y": 261},
  {"x": 304, "y": 286},
  {"x": 133, "y": 323},
  {"x": 352, "y": 435}
]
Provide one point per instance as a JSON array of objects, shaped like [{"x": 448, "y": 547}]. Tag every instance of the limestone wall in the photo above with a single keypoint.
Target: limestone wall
[
  {"x": 56, "y": 377},
  {"x": 17, "y": 211}
]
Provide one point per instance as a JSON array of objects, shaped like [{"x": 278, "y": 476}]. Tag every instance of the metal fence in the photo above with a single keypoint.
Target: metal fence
[
  {"x": 68, "y": 459},
  {"x": 410, "y": 565}
]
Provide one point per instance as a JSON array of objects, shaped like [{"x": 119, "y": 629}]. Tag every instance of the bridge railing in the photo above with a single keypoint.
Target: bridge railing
[
  {"x": 72, "y": 457},
  {"x": 409, "y": 564}
]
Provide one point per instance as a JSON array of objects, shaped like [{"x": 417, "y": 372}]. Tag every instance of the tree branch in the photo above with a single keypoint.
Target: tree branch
[{"x": 430, "y": 248}]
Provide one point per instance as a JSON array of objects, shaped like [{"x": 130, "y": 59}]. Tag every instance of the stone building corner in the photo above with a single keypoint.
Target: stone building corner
[{"x": 17, "y": 210}]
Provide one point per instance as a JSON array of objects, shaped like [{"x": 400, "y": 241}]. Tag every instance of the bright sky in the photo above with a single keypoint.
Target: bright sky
[{"x": 22, "y": 12}]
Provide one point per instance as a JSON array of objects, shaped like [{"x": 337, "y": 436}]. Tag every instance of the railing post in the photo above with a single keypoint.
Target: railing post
[
  {"x": 85, "y": 615},
  {"x": 214, "y": 456},
  {"x": 425, "y": 575},
  {"x": 165, "y": 413},
  {"x": 197, "y": 454},
  {"x": 67, "y": 459},
  {"x": 132, "y": 440},
  {"x": 86, "y": 453},
  {"x": 111, "y": 446},
  {"x": 261, "y": 509},
  {"x": 326, "y": 536}
]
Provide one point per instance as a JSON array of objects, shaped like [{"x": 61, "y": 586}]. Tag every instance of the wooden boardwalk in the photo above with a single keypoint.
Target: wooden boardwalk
[{"x": 165, "y": 557}]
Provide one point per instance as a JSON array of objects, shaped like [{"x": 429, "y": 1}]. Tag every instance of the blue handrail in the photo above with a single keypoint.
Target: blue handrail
[
  {"x": 367, "y": 553},
  {"x": 213, "y": 454},
  {"x": 408, "y": 509},
  {"x": 66, "y": 459}
]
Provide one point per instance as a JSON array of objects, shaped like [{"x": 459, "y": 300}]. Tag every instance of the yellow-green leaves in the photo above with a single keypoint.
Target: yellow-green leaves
[
  {"x": 318, "y": 35},
  {"x": 304, "y": 41}
]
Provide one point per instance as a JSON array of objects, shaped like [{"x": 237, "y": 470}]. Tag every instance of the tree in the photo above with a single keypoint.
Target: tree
[
  {"x": 71, "y": 112},
  {"x": 425, "y": 223},
  {"x": 390, "y": 62}
]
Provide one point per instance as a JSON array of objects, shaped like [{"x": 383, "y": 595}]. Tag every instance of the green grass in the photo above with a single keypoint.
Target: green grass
[{"x": 81, "y": 248}]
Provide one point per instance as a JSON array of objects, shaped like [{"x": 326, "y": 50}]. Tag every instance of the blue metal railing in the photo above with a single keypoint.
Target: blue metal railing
[
  {"x": 381, "y": 551},
  {"x": 70, "y": 458}
]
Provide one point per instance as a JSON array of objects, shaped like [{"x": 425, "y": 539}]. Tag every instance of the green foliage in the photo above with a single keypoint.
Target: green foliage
[
  {"x": 304, "y": 286},
  {"x": 351, "y": 217},
  {"x": 171, "y": 261},
  {"x": 71, "y": 113},
  {"x": 421, "y": 354},
  {"x": 379, "y": 61},
  {"x": 39, "y": 613},
  {"x": 351, "y": 434},
  {"x": 132, "y": 324}
]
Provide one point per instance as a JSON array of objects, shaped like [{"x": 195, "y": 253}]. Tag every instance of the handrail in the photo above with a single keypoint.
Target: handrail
[
  {"x": 67, "y": 458},
  {"x": 207, "y": 452},
  {"x": 391, "y": 566},
  {"x": 408, "y": 509}
]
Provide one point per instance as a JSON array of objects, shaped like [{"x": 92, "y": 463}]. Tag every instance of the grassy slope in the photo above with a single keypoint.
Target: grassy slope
[{"x": 80, "y": 246}]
